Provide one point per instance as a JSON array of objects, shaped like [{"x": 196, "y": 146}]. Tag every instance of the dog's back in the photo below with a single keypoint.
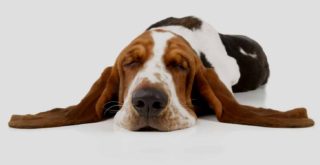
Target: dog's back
[{"x": 238, "y": 60}]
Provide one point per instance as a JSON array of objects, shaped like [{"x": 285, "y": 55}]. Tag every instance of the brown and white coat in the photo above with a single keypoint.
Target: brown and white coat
[{"x": 178, "y": 69}]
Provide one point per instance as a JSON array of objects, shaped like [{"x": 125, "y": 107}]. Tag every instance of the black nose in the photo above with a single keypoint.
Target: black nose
[{"x": 149, "y": 101}]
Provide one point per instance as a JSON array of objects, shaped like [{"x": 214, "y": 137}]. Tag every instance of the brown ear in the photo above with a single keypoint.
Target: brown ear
[
  {"x": 228, "y": 110},
  {"x": 90, "y": 109}
]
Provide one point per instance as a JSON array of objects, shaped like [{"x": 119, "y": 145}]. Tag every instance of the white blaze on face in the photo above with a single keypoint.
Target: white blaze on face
[
  {"x": 155, "y": 65},
  {"x": 154, "y": 70}
]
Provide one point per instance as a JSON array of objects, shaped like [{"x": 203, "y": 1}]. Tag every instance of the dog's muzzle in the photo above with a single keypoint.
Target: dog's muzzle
[{"x": 149, "y": 102}]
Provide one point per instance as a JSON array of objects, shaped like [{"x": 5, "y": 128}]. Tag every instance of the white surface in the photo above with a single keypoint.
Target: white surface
[{"x": 51, "y": 52}]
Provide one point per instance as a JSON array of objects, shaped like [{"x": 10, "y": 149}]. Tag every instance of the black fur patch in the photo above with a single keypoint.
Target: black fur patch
[
  {"x": 254, "y": 71},
  {"x": 190, "y": 22},
  {"x": 204, "y": 60}
]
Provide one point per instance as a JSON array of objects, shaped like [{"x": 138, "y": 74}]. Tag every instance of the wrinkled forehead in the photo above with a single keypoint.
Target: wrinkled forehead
[
  {"x": 154, "y": 48},
  {"x": 159, "y": 42}
]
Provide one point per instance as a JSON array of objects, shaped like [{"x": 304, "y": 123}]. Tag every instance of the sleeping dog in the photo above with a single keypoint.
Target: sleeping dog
[{"x": 176, "y": 70}]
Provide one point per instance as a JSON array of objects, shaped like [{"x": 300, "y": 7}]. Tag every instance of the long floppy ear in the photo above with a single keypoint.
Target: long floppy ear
[
  {"x": 228, "y": 110},
  {"x": 90, "y": 108}
]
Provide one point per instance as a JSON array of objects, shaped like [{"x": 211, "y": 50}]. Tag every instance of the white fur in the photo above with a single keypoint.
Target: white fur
[
  {"x": 207, "y": 40},
  {"x": 242, "y": 51},
  {"x": 155, "y": 66}
]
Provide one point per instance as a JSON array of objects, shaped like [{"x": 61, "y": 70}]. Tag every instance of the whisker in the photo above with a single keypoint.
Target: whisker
[
  {"x": 113, "y": 106},
  {"x": 113, "y": 111},
  {"x": 112, "y": 102},
  {"x": 110, "y": 110}
]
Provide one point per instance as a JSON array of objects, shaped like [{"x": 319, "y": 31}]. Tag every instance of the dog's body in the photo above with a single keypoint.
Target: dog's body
[
  {"x": 173, "y": 72},
  {"x": 238, "y": 60}
]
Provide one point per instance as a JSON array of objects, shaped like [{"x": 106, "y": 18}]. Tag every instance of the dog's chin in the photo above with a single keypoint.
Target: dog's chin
[
  {"x": 165, "y": 121},
  {"x": 148, "y": 127}
]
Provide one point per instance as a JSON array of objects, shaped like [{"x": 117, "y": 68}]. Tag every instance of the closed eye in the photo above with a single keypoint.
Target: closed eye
[
  {"x": 178, "y": 66},
  {"x": 134, "y": 57},
  {"x": 176, "y": 61},
  {"x": 131, "y": 64}
]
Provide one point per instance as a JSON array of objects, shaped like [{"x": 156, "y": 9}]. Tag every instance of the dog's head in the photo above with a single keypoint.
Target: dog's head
[
  {"x": 155, "y": 80},
  {"x": 155, "y": 75}
]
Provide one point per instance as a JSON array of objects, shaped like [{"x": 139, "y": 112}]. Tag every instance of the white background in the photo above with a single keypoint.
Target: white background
[{"x": 52, "y": 51}]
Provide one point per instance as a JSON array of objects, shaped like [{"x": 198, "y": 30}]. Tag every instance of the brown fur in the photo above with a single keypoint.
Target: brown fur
[
  {"x": 179, "y": 53},
  {"x": 190, "y": 77},
  {"x": 84, "y": 112},
  {"x": 230, "y": 111}
]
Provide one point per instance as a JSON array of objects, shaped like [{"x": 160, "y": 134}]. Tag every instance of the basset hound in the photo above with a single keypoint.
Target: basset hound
[{"x": 176, "y": 70}]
